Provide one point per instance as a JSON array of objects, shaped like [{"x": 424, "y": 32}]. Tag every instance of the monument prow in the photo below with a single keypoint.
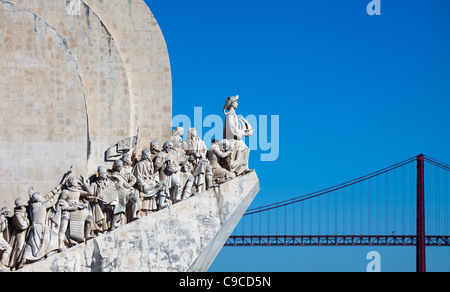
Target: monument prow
[{"x": 185, "y": 237}]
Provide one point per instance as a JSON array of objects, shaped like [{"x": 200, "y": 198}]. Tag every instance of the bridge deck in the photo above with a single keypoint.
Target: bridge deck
[{"x": 344, "y": 240}]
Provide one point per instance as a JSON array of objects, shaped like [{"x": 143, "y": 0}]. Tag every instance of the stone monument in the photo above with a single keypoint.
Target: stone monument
[
  {"x": 76, "y": 77},
  {"x": 75, "y": 84}
]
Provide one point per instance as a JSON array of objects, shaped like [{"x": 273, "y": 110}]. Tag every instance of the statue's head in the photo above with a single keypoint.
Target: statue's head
[
  {"x": 20, "y": 203},
  {"x": 195, "y": 157},
  {"x": 101, "y": 172},
  {"x": 118, "y": 165},
  {"x": 232, "y": 102},
  {"x": 188, "y": 167},
  {"x": 192, "y": 133},
  {"x": 5, "y": 211},
  {"x": 36, "y": 198},
  {"x": 126, "y": 159},
  {"x": 146, "y": 154},
  {"x": 168, "y": 146},
  {"x": 178, "y": 132},
  {"x": 154, "y": 146},
  {"x": 71, "y": 181},
  {"x": 224, "y": 145},
  {"x": 177, "y": 141}
]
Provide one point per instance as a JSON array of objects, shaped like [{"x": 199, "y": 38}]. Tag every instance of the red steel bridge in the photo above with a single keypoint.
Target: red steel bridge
[{"x": 406, "y": 204}]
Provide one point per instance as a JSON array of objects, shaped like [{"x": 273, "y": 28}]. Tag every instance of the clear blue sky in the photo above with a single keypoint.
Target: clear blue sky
[{"x": 355, "y": 93}]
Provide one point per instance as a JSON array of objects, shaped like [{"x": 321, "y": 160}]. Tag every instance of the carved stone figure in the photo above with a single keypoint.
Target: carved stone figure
[
  {"x": 177, "y": 137},
  {"x": 177, "y": 151},
  {"x": 127, "y": 163},
  {"x": 5, "y": 248},
  {"x": 168, "y": 166},
  {"x": 127, "y": 196},
  {"x": 146, "y": 181},
  {"x": 137, "y": 203},
  {"x": 103, "y": 195},
  {"x": 109, "y": 199},
  {"x": 202, "y": 173},
  {"x": 154, "y": 150},
  {"x": 42, "y": 240},
  {"x": 217, "y": 152},
  {"x": 187, "y": 180},
  {"x": 235, "y": 130},
  {"x": 161, "y": 158},
  {"x": 194, "y": 144},
  {"x": 76, "y": 219},
  {"x": 20, "y": 225},
  {"x": 162, "y": 196}
]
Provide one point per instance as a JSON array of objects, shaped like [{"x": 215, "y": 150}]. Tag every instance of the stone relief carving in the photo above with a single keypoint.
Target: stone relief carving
[
  {"x": 72, "y": 215},
  {"x": 79, "y": 209},
  {"x": 43, "y": 237},
  {"x": 5, "y": 248}
]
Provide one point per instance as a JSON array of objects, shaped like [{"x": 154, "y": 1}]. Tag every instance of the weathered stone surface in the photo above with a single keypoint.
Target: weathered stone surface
[
  {"x": 184, "y": 237},
  {"x": 43, "y": 110},
  {"x": 74, "y": 80},
  {"x": 141, "y": 43},
  {"x": 101, "y": 69}
]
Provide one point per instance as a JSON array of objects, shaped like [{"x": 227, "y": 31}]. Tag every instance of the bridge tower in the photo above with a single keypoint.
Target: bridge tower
[{"x": 420, "y": 257}]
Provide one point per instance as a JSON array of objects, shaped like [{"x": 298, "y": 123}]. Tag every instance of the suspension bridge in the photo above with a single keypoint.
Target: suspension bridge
[{"x": 406, "y": 204}]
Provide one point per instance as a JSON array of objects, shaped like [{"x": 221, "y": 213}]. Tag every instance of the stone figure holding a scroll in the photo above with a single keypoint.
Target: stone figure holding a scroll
[
  {"x": 146, "y": 182},
  {"x": 127, "y": 196},
  {"x": 103, "y": 196}
]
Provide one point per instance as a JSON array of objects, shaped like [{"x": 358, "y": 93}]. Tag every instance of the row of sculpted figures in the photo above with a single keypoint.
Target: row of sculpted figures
[{"x": 79, "y": 209}]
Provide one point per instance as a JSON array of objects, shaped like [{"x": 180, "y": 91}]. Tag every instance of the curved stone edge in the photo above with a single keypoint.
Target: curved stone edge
[
  {"x": 143, "y": 54},
  {"x": 184, "y": 237},
  {"x": 144, "y": 51},
  {"x": 14, "y": 188},
  {"x": 105, "y": 80},
  {"x": 209, "y": 254}
]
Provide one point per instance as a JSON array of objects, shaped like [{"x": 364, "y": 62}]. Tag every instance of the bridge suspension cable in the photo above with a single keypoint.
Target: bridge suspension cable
[
  {"x": 378, "y": 208},
  {"x": 329, "y": 190}
]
